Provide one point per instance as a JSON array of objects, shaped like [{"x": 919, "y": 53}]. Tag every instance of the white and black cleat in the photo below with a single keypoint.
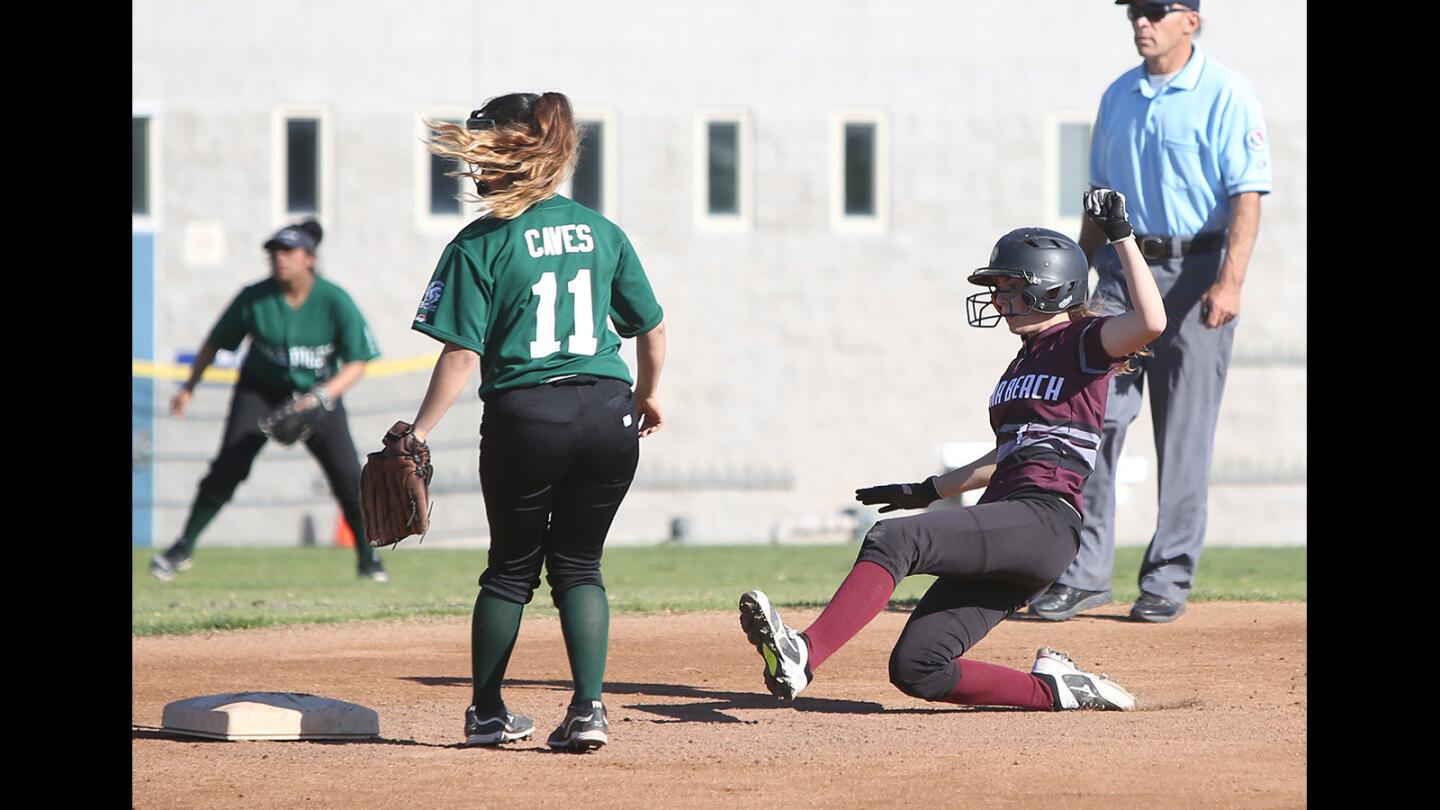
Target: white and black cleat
[
  {"x": 1076, "y": 689},
  {"x": 165, "y": 565},
  {"x": 787, "y": 656},
  {"x": 585, "y": 728},
  {"x": 496, "y": 729}
]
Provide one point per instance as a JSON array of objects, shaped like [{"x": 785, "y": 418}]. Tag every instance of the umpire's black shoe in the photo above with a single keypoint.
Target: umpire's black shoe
[
  {"x": 493, "y": 729},
  {"x": 584, "y": 728},
  {"x": 1061, "y": 602},
  {"x": 1152, "y": 608},
  {"x": 166, "y": 565}
]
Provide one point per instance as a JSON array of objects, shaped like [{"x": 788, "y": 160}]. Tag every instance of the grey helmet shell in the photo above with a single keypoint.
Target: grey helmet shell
[{"x": 1054, "y": 268}]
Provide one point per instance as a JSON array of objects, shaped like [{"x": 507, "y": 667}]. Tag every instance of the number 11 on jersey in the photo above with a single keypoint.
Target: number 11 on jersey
[{"x": 583, "y": 341}]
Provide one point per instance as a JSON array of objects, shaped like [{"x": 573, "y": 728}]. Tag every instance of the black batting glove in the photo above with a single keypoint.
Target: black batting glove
[
  {"x": 1106, "y": 208},
  {"x": 900, "y": 496}
]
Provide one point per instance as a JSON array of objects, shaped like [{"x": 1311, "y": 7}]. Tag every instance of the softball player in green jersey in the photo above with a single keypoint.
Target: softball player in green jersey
[
  {"x": 308, "y": 336},
  {"x": 525, "y": 292}
]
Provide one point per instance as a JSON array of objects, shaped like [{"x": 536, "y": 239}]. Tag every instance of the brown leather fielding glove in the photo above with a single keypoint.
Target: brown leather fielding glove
[{"x": 395, "y": 488}]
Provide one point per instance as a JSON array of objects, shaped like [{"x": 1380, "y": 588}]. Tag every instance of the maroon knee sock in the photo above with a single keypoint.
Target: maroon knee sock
[
  {"x": 860, "y": 598},
  {"x": 983, "y": 684}
]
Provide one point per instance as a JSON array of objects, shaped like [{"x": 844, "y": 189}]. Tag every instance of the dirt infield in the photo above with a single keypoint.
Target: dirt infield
[{"x": 1222, "y": 719}]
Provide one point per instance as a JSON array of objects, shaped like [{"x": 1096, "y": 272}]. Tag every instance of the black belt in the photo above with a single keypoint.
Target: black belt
[{"x": 1156, "y": 248}]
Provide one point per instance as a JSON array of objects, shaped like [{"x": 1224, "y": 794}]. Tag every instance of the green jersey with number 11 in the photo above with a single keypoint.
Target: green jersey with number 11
[{"x": 532, "y": 296}]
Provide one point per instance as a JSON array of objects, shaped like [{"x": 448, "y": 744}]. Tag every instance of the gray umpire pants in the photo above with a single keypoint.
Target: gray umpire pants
[{"x": 1186, "y": 377}]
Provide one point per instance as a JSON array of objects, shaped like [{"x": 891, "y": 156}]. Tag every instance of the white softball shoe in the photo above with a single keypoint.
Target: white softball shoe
[
  {"x": 787, "y": 656},
  {"x": 1076, "y": 689}
]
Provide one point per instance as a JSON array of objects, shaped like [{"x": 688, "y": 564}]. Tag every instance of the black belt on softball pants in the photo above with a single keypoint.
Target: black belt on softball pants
[
  {"x": 556, "y": 460},
  {"x": 989, "y": 559}
]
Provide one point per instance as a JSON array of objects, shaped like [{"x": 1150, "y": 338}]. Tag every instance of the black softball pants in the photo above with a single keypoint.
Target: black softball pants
[
  {"x": 330, "y": 444},
  {"x": 555, "y": 462},
  {"x": 989, "y": 559}
]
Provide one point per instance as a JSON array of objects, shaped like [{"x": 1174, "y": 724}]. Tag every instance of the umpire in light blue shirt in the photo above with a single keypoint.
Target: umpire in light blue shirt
[{"x": 1183, "y": 138}]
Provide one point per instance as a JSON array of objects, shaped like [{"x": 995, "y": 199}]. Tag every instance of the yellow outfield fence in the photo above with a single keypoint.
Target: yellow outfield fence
[{"x": 179, "y": 372}]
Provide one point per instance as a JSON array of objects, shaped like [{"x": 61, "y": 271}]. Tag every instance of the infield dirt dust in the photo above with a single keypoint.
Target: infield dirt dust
[{"x": 1222, "y": 719}]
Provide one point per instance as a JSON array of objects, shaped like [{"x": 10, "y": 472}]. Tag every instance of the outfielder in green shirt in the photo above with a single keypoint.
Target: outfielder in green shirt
[
  {"x": 294, "y": 348},
  {"x": 308, "y": 341}
]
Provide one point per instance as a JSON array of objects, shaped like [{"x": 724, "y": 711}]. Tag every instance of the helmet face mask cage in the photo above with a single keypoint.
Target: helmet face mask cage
[
  {"x": 1038, "y": 294},
  {"x": 1053, "y": 267},
  {"x": 975, "y": 306}
]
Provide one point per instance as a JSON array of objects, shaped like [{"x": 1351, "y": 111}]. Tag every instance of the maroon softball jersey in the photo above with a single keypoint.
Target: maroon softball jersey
[{"x": 1048, "y": 410}]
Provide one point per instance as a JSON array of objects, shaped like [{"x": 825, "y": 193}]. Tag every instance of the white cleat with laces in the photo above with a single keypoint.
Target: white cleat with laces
[
  {"x": 787, "y": 656},
  {"x": 1076, "y": 689}
]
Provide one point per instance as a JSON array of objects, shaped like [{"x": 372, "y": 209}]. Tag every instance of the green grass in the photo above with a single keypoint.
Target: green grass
[{"x": 232, "y": 588}]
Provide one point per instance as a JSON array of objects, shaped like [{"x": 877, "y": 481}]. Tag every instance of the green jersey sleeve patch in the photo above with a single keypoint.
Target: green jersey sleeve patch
[
  {"x": 430, "y": 301},
  {"x": 456, "y": 303}
]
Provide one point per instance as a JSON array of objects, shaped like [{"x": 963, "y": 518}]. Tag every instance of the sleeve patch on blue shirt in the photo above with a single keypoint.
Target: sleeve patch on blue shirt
[{"x": 1255, "y": 139}]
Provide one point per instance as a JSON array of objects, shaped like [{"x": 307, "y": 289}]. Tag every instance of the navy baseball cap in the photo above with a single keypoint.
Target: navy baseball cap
[
  {"x": 289, "y": 237},
  {"x": 1195, "y": 4}
]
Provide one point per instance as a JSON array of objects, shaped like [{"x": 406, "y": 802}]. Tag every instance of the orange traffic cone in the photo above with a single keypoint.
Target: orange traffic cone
[{"x": 344, "y": 535}]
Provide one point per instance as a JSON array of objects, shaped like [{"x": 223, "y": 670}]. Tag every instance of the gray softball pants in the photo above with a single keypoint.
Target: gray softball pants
[
  {"x": 989, "y": 559},
  {"x": 1186, "y": 378}
]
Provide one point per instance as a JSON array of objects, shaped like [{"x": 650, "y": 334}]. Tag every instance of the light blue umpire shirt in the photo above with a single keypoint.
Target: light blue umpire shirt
[{"x": 1179, "y": 154}]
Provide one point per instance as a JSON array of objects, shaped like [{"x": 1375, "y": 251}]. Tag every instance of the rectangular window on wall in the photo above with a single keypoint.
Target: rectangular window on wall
[
  {"x": 140, "y": 166},
  {"x": 302, "y": 165},
  {"x": 860, "y": 172},
  {"x": 444, "y": 190},
  {"x": 722, "y": 176},
  {"x": 1067, "y": 168},
  {"x": 723, "y": 168},
  {"x": 438, "y": 203},
  {"x": 860, "y": 152},
  {"x": 1073, "y": 168},
  {"x": 588, "y": 185}
]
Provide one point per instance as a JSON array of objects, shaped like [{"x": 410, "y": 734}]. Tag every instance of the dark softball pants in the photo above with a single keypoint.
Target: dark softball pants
[
  {"x": 989, "y": 559},
  {"x": 330, "y": 444},
  {"x": 555, "y": 462}
]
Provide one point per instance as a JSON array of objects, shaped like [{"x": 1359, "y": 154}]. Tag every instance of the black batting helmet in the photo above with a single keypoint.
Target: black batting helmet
[{"x": 1054, "y": 268}]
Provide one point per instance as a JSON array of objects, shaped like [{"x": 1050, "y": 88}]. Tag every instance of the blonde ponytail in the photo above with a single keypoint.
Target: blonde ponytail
[{"x": 519, "y": 162}]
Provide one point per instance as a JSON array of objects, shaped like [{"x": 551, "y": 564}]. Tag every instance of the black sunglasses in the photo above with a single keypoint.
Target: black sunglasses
[
  {"x": 475, "y": 123},
  {"x": 1154, "y": 12}
]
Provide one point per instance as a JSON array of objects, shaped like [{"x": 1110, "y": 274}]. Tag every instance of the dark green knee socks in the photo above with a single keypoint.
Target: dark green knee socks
[
  {"x": 356, "y": 520},
  {"x": 201, "y": 513},
  {"x": 493, "y": 629},
  {"x": 585, "y": 621}
]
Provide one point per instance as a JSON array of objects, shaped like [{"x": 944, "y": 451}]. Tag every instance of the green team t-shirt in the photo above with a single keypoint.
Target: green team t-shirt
[
  {"x": 532, "y": 294},
  {"x": 294, "y": 348}
]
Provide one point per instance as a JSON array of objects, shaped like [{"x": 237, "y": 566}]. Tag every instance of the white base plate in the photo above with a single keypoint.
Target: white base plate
[{"x": 270, "y": 716}]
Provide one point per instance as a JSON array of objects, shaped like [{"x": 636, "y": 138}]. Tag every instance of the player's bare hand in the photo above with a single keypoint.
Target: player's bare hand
[
  {"x": 180, "y": 402},
  {"x": 651, "y": 419},
  {"x": 1106, "y": 208},
  {"x": 1219, "y": 305}
]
